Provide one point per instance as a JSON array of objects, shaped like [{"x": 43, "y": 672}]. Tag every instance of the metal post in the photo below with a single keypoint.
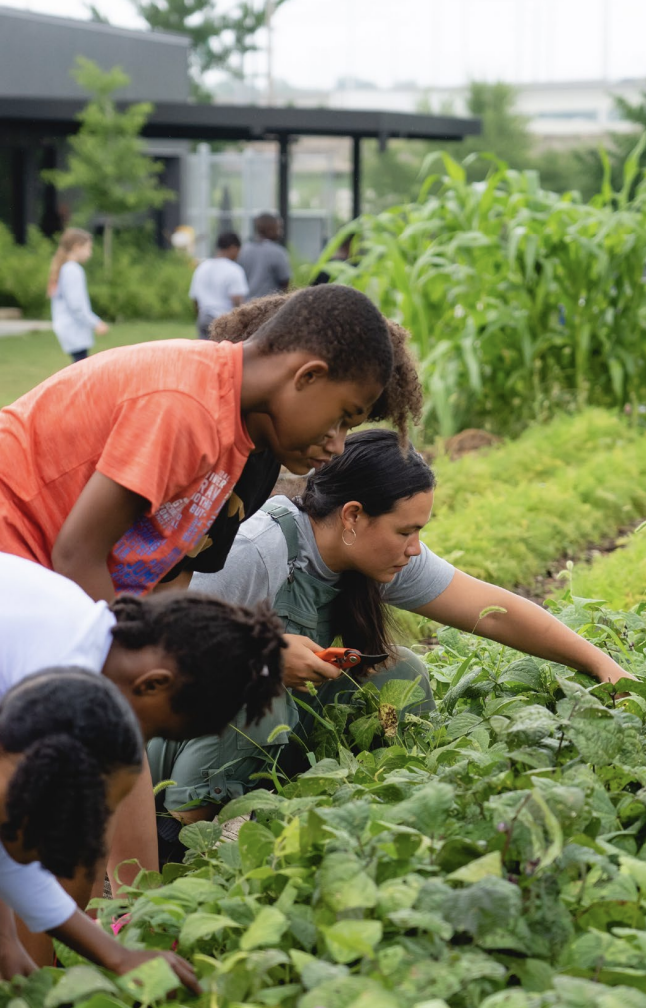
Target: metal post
[
  {"x": 356, "y": 176},
  {"x": 283, "y": 183}
]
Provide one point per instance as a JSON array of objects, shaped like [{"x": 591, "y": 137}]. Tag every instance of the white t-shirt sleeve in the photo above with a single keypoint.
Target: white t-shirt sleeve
[
  {"x": 72, "y": 628},
  {"x": 237, "y": 285},
  {"x": 195, "y": 281},
  {"x": 425, "y": 577},
  {"x": 33, "y": 894}
]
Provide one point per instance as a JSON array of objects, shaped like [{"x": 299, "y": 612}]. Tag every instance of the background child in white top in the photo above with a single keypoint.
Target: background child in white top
[
  {"x": 218, "y": 284},
  {"x": 73, "y": 320}
]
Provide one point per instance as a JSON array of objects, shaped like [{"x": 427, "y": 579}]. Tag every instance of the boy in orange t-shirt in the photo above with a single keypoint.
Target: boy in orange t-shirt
[{"x": 113, "y": 470}]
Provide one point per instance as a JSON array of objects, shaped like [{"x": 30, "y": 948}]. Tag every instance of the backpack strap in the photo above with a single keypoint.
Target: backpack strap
[{"x": 286, "y": 520}]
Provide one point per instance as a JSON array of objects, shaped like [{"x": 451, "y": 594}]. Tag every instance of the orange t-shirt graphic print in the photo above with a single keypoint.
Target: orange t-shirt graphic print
[
  {"x": 153, "y": 545},
  {"x": 160, "y": 419}
]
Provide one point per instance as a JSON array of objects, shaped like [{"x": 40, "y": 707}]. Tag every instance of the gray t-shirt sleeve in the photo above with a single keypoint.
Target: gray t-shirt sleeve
[
  {"x": 256, "y": 566},
  {"x": 425, "y": 577}
]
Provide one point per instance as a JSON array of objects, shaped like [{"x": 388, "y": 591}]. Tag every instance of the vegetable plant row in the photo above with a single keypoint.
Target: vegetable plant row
[
  {"x": 521, "y": 301},
  {"x": 619, "y": 578},
  {"x": 557, "y": 495},
  {"x": 491, "y": 855}
]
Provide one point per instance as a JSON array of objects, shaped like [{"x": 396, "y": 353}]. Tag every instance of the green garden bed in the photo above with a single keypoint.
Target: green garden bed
[
  {"x": 491, "y": 856},
  {"x": 507, "y": 514}
]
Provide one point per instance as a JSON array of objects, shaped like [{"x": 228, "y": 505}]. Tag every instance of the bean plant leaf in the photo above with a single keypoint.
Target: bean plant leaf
[
  {"x": 401, "y": 693},
  {"x": 267, "y": 929},
  {"x": 489, "y": 864},
  {"x": 348, "y": 940},
  {"x": 149, "y": 982},
  {"x": 344, "y": 884},
  {"x": 77, "y": 983},
  {"x": 427, "y": 809},
  {"x": 200, "y": 836},
  {"x": 203, "y": 925}
]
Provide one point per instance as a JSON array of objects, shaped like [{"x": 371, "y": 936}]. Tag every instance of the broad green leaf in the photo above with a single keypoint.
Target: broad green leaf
[
  {"x": 348, "y": 940},
  {"x": 401, "y": 693},
  {"x": 427, "y": 809},
  {"x": 149, "y": 982},
  {"x": 256, "y": 845},
  {"x": 200, "y": 836},
  {"x": 489, "y": 864},
  {"x": 315, "y": 971},
  {"x": 203, "y": 925},
  {"x": 344, "y": 884},
  {"x": 267, "y": 929},
  {"x": 78, "y": 982}
]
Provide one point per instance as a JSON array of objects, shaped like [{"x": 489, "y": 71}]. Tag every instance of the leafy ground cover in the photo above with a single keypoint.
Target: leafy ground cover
[
  {"x": 27, "y": 360},
  {"x": 145, "y": 282},
  {"x": 491, "y": 855},
  {"x": 619, "y": 578},
  {"x": 504, "y": 515}
]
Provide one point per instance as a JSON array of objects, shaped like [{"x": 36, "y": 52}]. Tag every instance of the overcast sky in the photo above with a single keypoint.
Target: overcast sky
[{"x": 435, "y": 42}]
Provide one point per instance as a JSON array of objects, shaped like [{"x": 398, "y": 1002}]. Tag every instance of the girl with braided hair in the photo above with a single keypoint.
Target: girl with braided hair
[
  {"x": 70, "y": 751},
  {"x": 186, "y": 663}
]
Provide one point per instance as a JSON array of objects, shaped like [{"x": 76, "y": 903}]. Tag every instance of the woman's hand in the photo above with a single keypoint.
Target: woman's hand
[
  {"x": 101, "y": 328},
  {"x": 300, "y": 664},
  {"x": 489, "y": 611}
]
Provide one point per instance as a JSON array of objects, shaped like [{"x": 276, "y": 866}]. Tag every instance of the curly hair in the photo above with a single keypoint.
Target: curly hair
[
  {"x": 74, "y": 728},
  {"x": 401, "y": 401},
  {"x": 227, "y": 657},
  {"x": 339, "y": 324}
]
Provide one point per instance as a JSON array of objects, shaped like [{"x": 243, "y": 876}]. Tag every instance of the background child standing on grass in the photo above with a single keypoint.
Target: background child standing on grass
[{"x": 73, "y": 320}]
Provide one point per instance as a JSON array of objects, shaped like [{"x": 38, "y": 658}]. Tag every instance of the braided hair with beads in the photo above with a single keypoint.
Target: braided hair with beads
[
  {"x": 227, "y": 656},
  {"x": 73, "y": 729}
]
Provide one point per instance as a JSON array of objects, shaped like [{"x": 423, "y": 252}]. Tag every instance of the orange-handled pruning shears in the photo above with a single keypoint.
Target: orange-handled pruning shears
[{"x": 347, "y": 658}]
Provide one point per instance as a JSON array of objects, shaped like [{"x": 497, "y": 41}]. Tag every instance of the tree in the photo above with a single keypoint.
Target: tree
[
  {"x": 216, "y": 38},
  {"x": 504, "y": 133},
  {"x": 394, "y": 174},
  {"x": 107, "y": 163}
]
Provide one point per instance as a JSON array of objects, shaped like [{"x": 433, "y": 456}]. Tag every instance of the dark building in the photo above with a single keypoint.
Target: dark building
[
  {"x": 37, "y": 53},
  {"x": 39, "y": 102}
]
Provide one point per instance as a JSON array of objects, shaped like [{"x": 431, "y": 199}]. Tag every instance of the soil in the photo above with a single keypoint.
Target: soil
[{"x": 547, "y": 583}]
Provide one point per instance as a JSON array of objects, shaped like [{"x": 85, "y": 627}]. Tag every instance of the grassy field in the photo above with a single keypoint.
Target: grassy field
[{"x": 27, "y": 360}]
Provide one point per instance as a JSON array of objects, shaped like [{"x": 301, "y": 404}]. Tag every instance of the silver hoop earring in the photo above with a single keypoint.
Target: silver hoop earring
[{"x": 352, "y": 541}]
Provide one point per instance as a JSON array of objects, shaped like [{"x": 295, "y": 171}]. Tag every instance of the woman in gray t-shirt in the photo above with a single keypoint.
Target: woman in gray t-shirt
[{"x": 331, "y": 563}]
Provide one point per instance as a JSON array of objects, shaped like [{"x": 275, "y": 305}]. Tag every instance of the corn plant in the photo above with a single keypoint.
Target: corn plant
[{"x": 520, "y": 301}]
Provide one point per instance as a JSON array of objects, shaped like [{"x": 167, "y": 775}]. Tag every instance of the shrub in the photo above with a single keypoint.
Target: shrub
[{"x": 145, "y": 283}]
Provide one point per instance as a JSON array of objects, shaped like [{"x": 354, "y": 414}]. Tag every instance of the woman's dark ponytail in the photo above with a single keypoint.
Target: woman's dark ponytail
[
  {"x": 73, "y": 729},
  {"x": 376, "y": 472}
]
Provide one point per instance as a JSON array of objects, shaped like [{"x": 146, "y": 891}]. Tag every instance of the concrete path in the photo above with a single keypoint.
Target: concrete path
[{"x": 19, "y": 327}]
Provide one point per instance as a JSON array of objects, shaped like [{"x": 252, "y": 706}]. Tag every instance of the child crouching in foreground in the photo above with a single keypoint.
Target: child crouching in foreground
[{"x": 70, "y": 751}]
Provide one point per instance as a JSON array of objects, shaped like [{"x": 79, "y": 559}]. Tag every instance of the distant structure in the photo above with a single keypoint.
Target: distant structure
[
  {"x": 40, "y": 102},
  {"x": 560, "y": 112}
]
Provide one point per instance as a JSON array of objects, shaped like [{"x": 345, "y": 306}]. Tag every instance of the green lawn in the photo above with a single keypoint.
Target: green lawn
[{"x": 27, "y": 360}]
